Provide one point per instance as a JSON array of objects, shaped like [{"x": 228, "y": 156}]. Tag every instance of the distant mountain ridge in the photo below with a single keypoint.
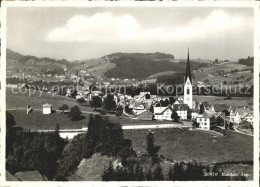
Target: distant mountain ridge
[
  {"x": 12, "y": 55},
  {"x": 142, "y": 65},
  {"x": 150, "y": 56}
]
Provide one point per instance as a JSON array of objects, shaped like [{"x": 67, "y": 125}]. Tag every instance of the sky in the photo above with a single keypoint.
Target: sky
[{"x": 92, "y": 32}]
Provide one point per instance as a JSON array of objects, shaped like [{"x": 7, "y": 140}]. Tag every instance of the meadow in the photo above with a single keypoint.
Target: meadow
[{"x": 185, "y": 145}]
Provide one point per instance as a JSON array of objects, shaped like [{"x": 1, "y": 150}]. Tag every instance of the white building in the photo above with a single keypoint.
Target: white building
[
  {"x": 188, "y": 85},
  {"x": 194, "y": 113},
  {"x": 138, "y": 108},
  {"x": 239, "y": 114},
  {"x": 162, "y": 113},
  {"x": 204, "y": 121},
  {"x": 46, "y": 108}
]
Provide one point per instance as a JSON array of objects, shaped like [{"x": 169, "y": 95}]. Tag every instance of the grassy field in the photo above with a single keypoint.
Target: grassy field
[
  {"x": 185, "y": 145},
  {"x": 211, "y": 74},
  {"x": 36, "y": 120},
  {"x": 36, "y": 100}
]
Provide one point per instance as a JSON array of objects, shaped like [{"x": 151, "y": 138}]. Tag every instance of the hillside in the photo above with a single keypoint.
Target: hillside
[
  {"x": 11, "y": 55},
  {"x": 96, "y": 67},
  {"x": 142, "y": 65},
  {"x": 149, "y": 56},
  {"x": 17, "y": 62}
]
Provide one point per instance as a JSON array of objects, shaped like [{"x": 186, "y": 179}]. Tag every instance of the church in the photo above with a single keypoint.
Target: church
[{"x": 188, "y": 84}]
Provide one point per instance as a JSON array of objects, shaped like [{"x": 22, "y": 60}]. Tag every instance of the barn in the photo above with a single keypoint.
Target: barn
[{"x": 46, "y": 108}]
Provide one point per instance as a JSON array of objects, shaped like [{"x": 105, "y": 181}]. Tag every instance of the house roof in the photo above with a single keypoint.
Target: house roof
[
  {"x": 146, "y": 111},
  {"x": 180, "y": 107},
  {"x": 244, "y": 122},
  {"x": 242, "y": 111},
  {"x": 160, "y": 110},
  {"x": 204, "y": 115},
  {"x": 188, "y": 73},
  {"x": 46, "y": 105}
]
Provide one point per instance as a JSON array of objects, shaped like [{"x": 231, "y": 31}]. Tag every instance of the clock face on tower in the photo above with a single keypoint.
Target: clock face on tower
[{"x": 188, "y": 83}]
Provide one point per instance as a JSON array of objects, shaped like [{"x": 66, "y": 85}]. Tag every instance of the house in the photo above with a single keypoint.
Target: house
[
  {"x": 249, "y": 118},
  {"x": 181, "y": 110},
  {"x": 194, "y": 114},
  {"x": 147, "y": 104},
  {"x": 145, "y": 115},
  {"x": 138, "y": 108},
  {"x": 179, "y": 101},
  {"x": 46, "y": 108},
  {"x": 162, "y": 113},
  {"x": 239, "y": 114},
  {"x": 204, "y": 121},
  {"x": 142, "y": 96}
]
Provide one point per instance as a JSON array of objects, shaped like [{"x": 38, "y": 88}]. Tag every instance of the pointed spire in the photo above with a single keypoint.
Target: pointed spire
[{"x": 188, "y": 73}]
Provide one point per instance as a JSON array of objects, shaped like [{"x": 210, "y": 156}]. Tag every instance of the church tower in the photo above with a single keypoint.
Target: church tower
[{"x": 188, "y": 85}]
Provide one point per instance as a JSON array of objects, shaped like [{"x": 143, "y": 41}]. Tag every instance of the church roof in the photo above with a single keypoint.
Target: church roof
[{"x": 188, "y": 73}]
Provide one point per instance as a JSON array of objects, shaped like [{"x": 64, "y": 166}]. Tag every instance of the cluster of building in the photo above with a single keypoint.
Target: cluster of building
[{"x": 149, "y": 107}]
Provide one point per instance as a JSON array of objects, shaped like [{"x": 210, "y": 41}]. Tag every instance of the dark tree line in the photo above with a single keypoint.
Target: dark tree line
[{"x": 29, "y": 151}]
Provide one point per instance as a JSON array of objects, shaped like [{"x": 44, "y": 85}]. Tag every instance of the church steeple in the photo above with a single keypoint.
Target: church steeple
[
  {"x": 188, "y": 84},
  {"x": 188, "y": 74}
]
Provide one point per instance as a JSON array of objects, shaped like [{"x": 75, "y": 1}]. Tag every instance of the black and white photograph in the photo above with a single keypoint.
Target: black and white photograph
[{"x": 129, "y": 93}]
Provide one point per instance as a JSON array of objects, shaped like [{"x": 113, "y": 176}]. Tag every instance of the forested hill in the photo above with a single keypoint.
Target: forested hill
[
  {"x": 148, "y": 56},
  {"x": 11, "y": 55},
  {"x": 142, "y": 65}
]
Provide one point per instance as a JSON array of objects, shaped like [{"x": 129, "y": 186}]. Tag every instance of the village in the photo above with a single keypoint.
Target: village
[{"x": 189, "y": 110}]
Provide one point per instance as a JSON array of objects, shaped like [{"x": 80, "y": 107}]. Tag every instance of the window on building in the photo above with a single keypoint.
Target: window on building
[{"x": 188, "y": 91}]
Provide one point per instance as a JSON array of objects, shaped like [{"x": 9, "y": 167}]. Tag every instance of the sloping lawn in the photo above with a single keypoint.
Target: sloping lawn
[{"x": 185, "y": 145}]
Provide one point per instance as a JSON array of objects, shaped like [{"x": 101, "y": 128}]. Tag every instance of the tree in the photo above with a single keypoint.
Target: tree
[
  {"x": 63, "y": 108},
  {"x": 81, "y": 100},
  {"x": 195, "y": 124},
  {"x": 119, "y": 111},
  {"x": 202, "y": 109},
  {"x": 166, "y": 102},
  {"x": 149, "y": 175},
  {"x": 177, "y": 172},
  {"x": 108, "y": 173},
  {"x": 151, "y": 149},
  {"x": 90, "y": 138},
  {"x": 231, "y": 126},
  {"x": 75, "y": 113},
  {"x": 96, "y": 102},
  {"x": 109, "y": 103},
  {"x": 10, "y": 122},
  {"x": 175, "y": 116},
  {"x": 158, "y": 174},
  {"x": 147, "y": 96},
  {"x": 151, "y": 109},
  {"x": 220, "y": 121},
  {"x": 227, "y": 113},
  {"x": 171, "y": 100},
  {"x": 138, "y": 172}
]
